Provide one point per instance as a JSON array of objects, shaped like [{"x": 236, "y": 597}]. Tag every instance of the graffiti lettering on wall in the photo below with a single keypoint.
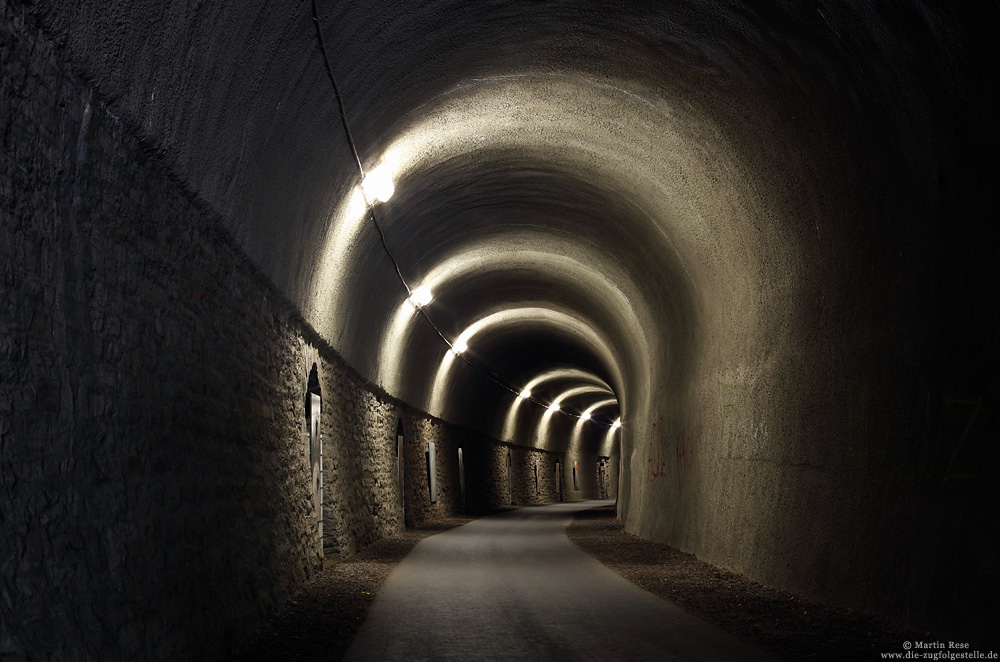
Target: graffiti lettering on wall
[
  {"x": 684, "y": 449},
  {"x": 657, "y": 468}
]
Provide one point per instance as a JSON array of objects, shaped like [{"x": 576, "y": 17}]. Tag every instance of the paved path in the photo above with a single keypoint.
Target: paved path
[{"x": 513, "y": 587}]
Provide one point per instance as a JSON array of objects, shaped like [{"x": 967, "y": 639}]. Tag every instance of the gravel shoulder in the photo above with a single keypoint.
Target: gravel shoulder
[
  {"x": 780, "y": 623},
  {"x": 320, "y": 621}
]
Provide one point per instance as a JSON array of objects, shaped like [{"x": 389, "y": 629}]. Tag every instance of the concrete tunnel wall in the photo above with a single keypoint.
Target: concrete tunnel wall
[
  {"x": 156, "y": 479},
  {"x": 773, "y": 253}
]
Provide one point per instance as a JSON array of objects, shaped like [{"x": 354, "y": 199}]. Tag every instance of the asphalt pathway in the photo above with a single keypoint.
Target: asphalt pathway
[{"x": 513, "y": 587}]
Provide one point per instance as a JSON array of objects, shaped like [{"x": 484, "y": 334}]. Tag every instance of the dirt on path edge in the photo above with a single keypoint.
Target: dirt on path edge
[
  {"x": 788, "y": 627},
  {"x": 321, "y": 619}
]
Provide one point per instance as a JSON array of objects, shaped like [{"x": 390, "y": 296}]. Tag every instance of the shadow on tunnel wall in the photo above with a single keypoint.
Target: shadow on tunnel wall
[
  {"x": 155, "y": 484},
  {"x": 155, "y": 481},
  {"x": 844, "y": 445}
]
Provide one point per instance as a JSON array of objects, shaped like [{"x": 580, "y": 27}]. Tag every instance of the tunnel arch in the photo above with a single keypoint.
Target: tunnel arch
[{"x": 755, "y": 219}]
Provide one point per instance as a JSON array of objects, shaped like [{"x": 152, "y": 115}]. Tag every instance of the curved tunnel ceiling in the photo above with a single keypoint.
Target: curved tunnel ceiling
[
  {"x": 539, "y": 208},
  {"x": 585, "y": 187}
]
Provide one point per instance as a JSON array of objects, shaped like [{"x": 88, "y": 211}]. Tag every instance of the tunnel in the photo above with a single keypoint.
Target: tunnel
[{"x": 281, "y": 279}]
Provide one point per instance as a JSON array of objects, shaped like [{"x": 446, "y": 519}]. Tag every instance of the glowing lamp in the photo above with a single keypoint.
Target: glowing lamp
[
  {"x": 554, "y": 406},
  {"x": 526, "y": 393},
  {"x": 377, "y": 185},
  {"x": 617, "y": 424},
  {"x": 421, "y": 296},
  {"x": 459, "y": 346}
]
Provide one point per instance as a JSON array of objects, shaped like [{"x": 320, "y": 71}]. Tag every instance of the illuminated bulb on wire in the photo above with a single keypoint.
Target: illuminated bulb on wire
[
  {"x": 585, "y": 416},
  {"x": 617, "y": 424},
  {"x": 526, "y": 393},
  {"x": 421, "y": 296},
  {"x": 459, "y": 346},
  {"x": 377, "y": 185},
  {"x": 554, "y": 406}
]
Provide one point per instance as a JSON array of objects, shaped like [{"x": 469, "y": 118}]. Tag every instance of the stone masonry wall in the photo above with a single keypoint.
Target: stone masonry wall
[
  {"x": 361, "y": 498},
  {"x": 528, "y": 491},
  {"x": 153, "y": 503},
  {"x": 154, "y": 467},
  {"x": 486, "y": 474}
]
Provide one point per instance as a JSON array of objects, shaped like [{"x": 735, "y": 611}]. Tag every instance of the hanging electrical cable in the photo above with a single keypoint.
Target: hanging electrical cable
[{"x": 458, "y": 350}]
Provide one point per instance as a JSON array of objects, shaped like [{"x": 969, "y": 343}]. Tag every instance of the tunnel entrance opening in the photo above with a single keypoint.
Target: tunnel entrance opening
[
  {"x": 461, "y": 476},
  {"x": 558, "y": 479},
  {"x": 399, "y": 468},
  {"x": 432, "y": 471},
  {"x": 510, "y": 482},
  {"x": 314, "y": 445}
]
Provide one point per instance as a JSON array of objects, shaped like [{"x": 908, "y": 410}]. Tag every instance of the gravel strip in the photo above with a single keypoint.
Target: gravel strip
[
  {"x": 782, "y": 624},
  {"x": 319, "y": 622}
]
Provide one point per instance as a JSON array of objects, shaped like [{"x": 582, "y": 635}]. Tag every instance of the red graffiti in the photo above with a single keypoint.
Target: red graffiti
[
  {"x": 657, "y": 469},
  {"x": 684, "y": 448}
]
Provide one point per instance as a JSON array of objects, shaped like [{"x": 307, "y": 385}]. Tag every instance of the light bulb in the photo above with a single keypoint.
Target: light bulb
[
  {"x": 421, "y": 296},
  {"x": 377, "y": 185}
]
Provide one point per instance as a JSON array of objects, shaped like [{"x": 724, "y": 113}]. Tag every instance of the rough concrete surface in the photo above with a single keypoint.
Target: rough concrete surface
[{"x": 767, "y": 229}]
